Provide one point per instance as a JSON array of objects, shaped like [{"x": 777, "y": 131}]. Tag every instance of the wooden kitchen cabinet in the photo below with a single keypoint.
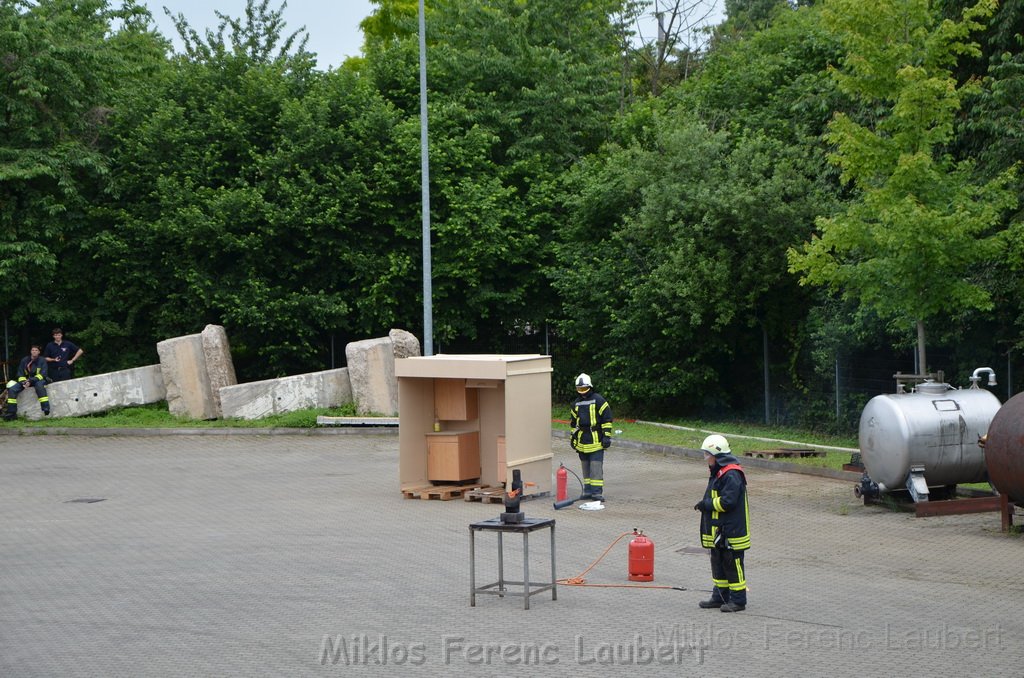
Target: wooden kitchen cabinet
[
  {"x": 453, "y": 457},
  {"x": 453, "y": 401}
]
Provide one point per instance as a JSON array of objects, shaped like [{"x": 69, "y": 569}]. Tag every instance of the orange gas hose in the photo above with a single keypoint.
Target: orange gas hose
[{"x": 580, "y": 581}]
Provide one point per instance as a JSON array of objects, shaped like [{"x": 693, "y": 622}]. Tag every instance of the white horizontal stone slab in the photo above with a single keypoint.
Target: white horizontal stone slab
[
  {"x": 258, "y": 399},
  {"x": 97, "y": 393}
]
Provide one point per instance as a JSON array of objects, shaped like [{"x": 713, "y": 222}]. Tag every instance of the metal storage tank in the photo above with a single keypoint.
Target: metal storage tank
[
  {"x": 1004, "y": 450},
  {"x": 926, "y": 438}
]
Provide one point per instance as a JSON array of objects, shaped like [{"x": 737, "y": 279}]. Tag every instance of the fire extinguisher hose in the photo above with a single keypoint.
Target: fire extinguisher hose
[
  {"x": 580, "y": 581},
  {"x": 569, "y": 502}
]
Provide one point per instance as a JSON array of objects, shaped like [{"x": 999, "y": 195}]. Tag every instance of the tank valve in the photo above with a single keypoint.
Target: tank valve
[
  {"x": 866, "y": 488},
  {"x": 976, "y": 376}
]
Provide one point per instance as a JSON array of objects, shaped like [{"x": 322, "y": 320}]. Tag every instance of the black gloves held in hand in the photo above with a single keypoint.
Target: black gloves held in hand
[
  {"x": 699, "y": 506},
  {"x": 606, "y": 443}
]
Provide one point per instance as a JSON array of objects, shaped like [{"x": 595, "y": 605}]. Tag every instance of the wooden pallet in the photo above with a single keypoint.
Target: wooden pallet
[
  {"x": 414, "y": 492},
  {"x": 442, "y": 492},
  {"x": 486, "y": 495},
  {"x": 784, "y": 453}
]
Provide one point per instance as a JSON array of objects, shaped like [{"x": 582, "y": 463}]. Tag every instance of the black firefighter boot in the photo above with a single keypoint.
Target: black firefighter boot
[
  {"x": 737, "y": 602},
  {"x": 719, "y": 598}
]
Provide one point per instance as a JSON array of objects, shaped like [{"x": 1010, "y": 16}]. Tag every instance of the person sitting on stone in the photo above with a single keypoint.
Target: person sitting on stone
[{"x": 31, "y": 372}]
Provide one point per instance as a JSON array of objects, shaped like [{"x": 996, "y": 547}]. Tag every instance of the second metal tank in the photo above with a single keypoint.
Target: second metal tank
[{"x": 1004, "y": 449}]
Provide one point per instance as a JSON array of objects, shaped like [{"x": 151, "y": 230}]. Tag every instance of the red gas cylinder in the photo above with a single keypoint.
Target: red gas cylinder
[
  {"x": 641, "y": 558},
  {"x": 561, "y": 478}
]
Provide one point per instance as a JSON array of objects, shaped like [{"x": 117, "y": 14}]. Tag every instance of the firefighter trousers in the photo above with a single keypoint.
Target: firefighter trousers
[
  {"x": 593, "y": 473},
  {"x": 728, "y": 576},
  {"x": 18, "y": 387}
]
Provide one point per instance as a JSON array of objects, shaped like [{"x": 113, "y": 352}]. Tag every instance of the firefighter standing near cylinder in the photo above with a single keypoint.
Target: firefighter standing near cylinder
[
  {"x": 725, "y": 525},
  {"x": 31, "y": 372},
  {"x": 591, "y": 422}
]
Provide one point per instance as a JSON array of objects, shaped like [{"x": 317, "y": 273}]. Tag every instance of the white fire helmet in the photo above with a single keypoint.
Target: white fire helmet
[
  {"x": 583, "y": 383},
  {"x": 715, "y": 444}
]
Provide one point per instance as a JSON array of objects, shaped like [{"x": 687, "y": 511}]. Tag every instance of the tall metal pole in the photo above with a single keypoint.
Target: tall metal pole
[{"x": 428, "y": 310}]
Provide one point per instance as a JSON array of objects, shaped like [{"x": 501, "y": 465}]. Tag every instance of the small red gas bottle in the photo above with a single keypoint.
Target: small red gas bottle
[
  {"x": 641, "y": 558},
  {"x": 561, "y": 479}
]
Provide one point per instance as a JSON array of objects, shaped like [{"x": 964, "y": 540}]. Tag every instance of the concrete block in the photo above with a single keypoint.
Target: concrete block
[
  {"x": 258, "y": 399},
  {"x": 371, "y": 370},
  {"x": 191, "y": 366},
  {"x": 97, "y": 393}
]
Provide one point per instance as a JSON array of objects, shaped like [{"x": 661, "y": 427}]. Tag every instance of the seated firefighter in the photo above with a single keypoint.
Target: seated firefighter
[{"x": 31, "y": 372}]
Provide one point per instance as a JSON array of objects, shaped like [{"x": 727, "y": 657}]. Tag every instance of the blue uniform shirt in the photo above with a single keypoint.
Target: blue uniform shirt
[{"x": 62, "y": 353}]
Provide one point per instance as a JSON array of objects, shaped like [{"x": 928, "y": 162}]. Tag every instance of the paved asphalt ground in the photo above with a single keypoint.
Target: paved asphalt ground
[{"x": 296, "y": 555}]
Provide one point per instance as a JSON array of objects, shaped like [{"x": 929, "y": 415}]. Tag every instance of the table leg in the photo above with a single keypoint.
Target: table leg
[
  {"x": 554, "y": 584},
  {"x": 526, "y": 570},
  {"x": 472, "y": 567},
  {"x": 501, "y": 565}
]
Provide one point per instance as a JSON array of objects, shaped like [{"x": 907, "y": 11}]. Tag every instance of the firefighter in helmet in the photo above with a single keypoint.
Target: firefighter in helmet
[
  {"x": 725, "y": 525},
  {"x": 591, "y": 422}
]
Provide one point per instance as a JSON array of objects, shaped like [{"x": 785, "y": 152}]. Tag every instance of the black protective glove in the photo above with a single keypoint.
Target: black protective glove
[
  {"x": 606, "y": 442},
  {"x": 699, "y": 506}
]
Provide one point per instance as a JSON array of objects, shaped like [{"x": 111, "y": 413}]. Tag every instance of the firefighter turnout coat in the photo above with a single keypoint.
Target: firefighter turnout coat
[
  {"x": 33, "y": 370},
  {"x": 725, "y": 517},
  {"x": 591, "y": 422}
]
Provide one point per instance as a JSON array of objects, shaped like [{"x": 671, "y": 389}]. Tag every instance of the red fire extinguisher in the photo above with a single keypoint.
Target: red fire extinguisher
[
  {"x": 641, "y": 558},
  {"x": 561, "y": 478}
]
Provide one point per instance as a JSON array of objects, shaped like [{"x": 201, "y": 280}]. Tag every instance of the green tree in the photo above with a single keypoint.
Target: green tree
[
  {"x": 689, "y": 271},
  {"x": 691, "y": 209},
  {"x": 518, "y": 92},
  {"x": 64, "y": 66},
  {"x": 906, "y": 245},
  {"x": 213, "y": 215}
]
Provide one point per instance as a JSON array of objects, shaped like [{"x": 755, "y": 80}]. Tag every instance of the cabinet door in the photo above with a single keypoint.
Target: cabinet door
[
  {"x": 453, "y": 457},
  {"x": 453, "y": 401}
]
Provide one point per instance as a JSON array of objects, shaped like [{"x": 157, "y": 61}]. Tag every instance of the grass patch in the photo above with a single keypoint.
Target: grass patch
[
  {"x": 157, "y": 415},
  {"x": 759, "y": 437}
]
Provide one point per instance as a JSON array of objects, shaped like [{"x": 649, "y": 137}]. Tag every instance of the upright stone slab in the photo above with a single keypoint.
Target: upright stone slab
[
  {"x": 371, "y": 369},
  {"x": 219, "y": 369},
  {"x": 186, "y": 364},
  {"x": 97, "y": 393},
  {"x": 406, "y": 344},
  {"x": 258, "y": 399}
]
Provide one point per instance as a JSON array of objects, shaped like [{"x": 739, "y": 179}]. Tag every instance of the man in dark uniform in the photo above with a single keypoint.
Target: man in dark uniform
[
  {"x": 31, "y": 372},
  {"x": 725, "y": 525},
  {"x": 61, "y": 355},
  {"x": 591, "y": 422}
]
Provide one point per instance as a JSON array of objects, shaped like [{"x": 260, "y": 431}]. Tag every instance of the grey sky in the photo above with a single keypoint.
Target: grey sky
[{"x": 332, "y": 25}]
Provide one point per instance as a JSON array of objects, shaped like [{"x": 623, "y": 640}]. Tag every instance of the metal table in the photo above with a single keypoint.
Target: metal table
[{"x": 500, "y": 587}]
